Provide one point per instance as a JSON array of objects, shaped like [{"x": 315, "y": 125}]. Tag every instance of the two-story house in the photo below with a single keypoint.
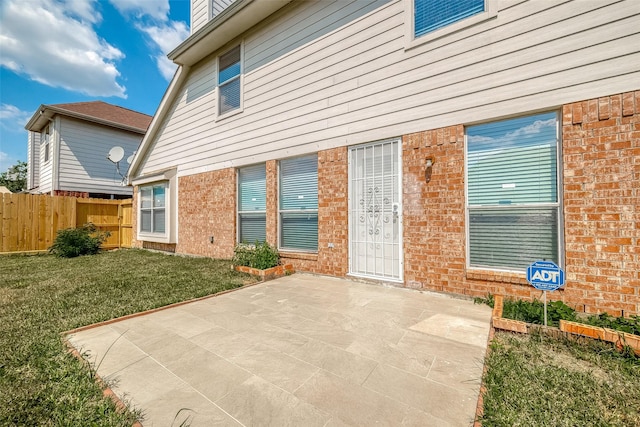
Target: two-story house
[
  {"x": 426, "y": 143},
  {"x": 68, "y": 146}
]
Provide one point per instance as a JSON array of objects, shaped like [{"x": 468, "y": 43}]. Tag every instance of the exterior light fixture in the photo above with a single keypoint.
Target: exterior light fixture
[{"x": 428, "y": 166}]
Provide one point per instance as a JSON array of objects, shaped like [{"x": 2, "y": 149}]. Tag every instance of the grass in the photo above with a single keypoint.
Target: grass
[
  {"x": 42, "y": 296},
  {"x": 537, "y": 380}
]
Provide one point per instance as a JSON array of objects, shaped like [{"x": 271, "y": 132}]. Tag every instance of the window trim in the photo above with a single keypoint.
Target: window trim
[
  {"x": 557, "y": 205},
  {"x": 281, "y": 211},
  {"x": 46, "y": 152},
  {"x": 169, "y": 178},
  {"x": 239, "y": 212},
  {"x": 240, "y": 109},
  {"x": 153, "y": 208},
  {"x": 490, "y": 12}
]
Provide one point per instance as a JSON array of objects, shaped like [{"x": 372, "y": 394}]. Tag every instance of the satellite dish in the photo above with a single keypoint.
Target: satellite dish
[
  {"x": 130, "y": 158},
  {"x": 116, "y": 154}
]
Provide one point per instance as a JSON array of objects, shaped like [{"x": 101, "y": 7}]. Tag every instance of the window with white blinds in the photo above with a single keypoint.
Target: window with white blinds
[
  {"x": 252, "y": 204},
  {"x": 430, "y": 15},
  {"x": 299, "y": 203},
  {"x": 512, "y": 192},
  {"x": 153, "y": 208},
  {"x": 229, "y": 81}
]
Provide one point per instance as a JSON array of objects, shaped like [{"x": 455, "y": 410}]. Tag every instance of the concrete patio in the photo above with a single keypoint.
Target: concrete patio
[{"x": 302, "y": 350}]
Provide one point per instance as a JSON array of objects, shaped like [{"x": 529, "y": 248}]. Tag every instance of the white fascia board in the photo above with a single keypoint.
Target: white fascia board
[
  {"x": 167, "y": 99},
  {"x": 240, "y": 16},
  {"x": 165, "y": 175}
]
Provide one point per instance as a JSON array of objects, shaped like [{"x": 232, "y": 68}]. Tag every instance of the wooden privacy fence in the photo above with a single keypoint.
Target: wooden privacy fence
[{"x": 30, "y": 222}]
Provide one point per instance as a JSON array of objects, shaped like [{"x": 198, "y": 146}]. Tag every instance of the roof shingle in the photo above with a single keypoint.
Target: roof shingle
[{"x": 112, "y": 113}]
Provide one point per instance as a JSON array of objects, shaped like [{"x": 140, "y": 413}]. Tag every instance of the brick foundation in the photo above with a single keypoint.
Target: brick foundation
[
  {"x": 601, "y": 195},
  {"x": 78, "y": 194}
]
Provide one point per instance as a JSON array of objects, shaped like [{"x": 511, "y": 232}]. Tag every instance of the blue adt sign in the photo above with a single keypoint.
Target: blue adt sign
[{"x": 545, "y": 275}]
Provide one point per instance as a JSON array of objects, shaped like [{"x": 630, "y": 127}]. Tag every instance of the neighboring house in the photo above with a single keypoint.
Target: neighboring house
[
  {"x": 68, "y": 146},
  {"x": 427, "y": 143}
]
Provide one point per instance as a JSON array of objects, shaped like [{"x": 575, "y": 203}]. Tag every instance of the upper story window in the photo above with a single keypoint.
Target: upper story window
[
  {"x": 230, "y": 81},
  {"x": 513, "y": 205},
  {"x": 430, "y": 15},
  {"x": 45, "y": 143},
  {"x": 252, "y": 204}
]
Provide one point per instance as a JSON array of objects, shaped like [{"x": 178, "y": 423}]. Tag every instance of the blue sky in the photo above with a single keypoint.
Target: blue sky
[{"x": 59, "y": 51}]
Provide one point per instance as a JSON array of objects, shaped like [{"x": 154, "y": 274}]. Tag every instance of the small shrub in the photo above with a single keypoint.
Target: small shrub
[
  {"x": 533, "y": 311},
  {"x": 630, "y": 325},
  {"x": 260, "y": 256},
  {"x": 489, "y": 300},
  {"x": 73, "y": 242}
]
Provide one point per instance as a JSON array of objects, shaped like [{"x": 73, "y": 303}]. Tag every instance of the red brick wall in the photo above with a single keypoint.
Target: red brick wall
[
  {"x": 78, "y": 194},
  {"x": 207, "y": 207},
  {"x": 601, "y": 155},
  {"x": 601, "y": 190},
  {"x": 272, "y": 202},
  {"x": 333, "y": 212},
  {"x": 333, "y": 185},
  {"x": 434, "y": 212},
  {"x": 601, "y": 177}
]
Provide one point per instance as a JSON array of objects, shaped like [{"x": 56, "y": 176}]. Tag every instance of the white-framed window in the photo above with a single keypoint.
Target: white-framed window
[
  {"x": 230, "y": 81},
  {"x": 513, "y": 202},
  {"x": 46, "y": 143},
  {"x": 157, "y": 200},
  {"x": 298, "y": 213},
  {"x": 432, "y": 19},
  {"x": 252, "y": 204},
  {"x": 153, "y": 212}
]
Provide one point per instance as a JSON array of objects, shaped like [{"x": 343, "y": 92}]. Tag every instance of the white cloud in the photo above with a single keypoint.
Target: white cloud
[
  {"x": 156, "y": 9},
  {"x": 13, "y": 118},
  {"x": 152, "y": 19},
  {"x": 166, "y": 37},
  {"x": 85, "y": 10},
  {"x": 54, "y": 43}
]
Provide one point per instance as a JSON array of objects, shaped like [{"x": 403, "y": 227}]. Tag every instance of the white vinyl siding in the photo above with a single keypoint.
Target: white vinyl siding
[
  {"x": 512, "y": 192},
  {"x": 299, "y": 203},
  {"x": 357, "y": 83},
  {"x": 218, "y": 6},
  {"x": 46, "y": 165},
  {"x": 252, "y": 204},
  {"x": 199, "y": 14},
  {"x": 83, "y": 163},
  {"x": 33, "y": 160}
]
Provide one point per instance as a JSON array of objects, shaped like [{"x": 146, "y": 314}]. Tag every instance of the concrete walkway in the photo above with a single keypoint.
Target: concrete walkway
[{"x": 299, "y": 351}]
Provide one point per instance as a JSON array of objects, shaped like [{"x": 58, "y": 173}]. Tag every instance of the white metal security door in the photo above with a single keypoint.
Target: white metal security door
[{"x": 375, "y": 211}]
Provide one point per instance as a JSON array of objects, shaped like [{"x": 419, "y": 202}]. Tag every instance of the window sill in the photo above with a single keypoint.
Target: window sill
[
  {"x": 308, "y": 256},
  {"x": 231, "y": 113},
  {"x": 157, "y": 238},
  {"x": 413, "y": 41},
  {"x": 518, "y": 278}
]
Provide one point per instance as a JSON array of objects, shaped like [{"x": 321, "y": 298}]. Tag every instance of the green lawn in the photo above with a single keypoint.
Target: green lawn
[
  {"x": 531, "y": 380},
  {"x": 42, "y": 296},
  {"x": 536, "y": 380}
]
